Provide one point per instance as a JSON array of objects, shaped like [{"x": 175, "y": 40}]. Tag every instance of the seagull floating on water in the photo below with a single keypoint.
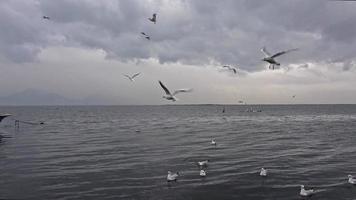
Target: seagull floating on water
[
  {"x": 213, "y": 142},
  {"x": 145, "y": 35},
  {"x": 306, "y": 193},
  {"x": 153, "y": 19},
  {"x": 46, "y": 17},
  {"x": 271, "y": 58},
  {"x": 203, "y": 163},
  {"x": 172, "y": 176},
  {"x": 132, "y": 78},
  {"x": 202, "y": 173},
  {"x": 263, "y": 172},
  {"x": 233, "y": 69},
  {"x": 169, "y": 95},
  {"x": 352, "y": 180}
]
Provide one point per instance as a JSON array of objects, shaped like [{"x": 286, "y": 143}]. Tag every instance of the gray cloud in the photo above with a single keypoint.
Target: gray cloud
[{"x": 192, "y": 32}]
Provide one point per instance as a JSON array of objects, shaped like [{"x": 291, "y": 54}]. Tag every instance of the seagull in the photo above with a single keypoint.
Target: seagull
[
  {"x": 270, "y": 59},
  {"x": 153, "y": 19},
  {"x": 169, "y": 95},
  {"x": 213, "y": 142},
  {"x": 304, "y": 192},
  {"x": 46, "y": 17},
  {"x": 203, "y": 163},
  {"x": 145, "y": 35},
  {"x": 172, "y": 176},
  {"x": 132, "y": 78},
  {"x": 263, "y": 172},
  {"x": 233, "y": 69},
  {"x": 202, "y": 173},
  {"x": 352, "y": 180}
]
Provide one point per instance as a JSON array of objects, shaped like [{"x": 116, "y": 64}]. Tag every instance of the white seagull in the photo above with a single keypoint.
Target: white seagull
[
  {"x": 304, "y": 192},
  {"x": 172, "y": 176},
  {"x": 352, "y": 180},
  {"x": 263, "y": 172},
  {"x": 203, "y": 163},
  {"x": 271, "y": 58},
  {"x": 145, "y": 35},
  {"x": 202, "y": 173},
  {"x": 169, "y": 95},
  {"x": 153, "y": 19},
  {"x": 233, "y": 69},
  {"x": 213, "y": 142},
  {"x": 132, "y": 78}
]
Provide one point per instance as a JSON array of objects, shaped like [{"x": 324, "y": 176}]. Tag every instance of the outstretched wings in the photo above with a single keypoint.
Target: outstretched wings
[
  {"x": 182, "y": 90},
  {"x": 135, "y": 75},
  {"x": 283, "y": 52},
  {"x": 231, "y": 68},
  {"x": 264, "y": 51},
  {"x": 164, "y": 88}
]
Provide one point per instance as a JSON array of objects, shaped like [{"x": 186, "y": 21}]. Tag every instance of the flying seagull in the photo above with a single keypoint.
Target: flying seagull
[
  {"x": 169, "y": 95},
  {"x": 145, "y": 35},
  {"x": 233, "y": 69},
  {"x": 132, "y": 78},
  {"x": 153, "y": 19},
  {"x": 46, "y": 17},
  {"x": 271, "y": 58}
]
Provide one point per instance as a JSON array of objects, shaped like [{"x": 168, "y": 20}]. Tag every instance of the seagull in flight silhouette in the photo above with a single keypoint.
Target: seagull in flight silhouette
[
  {"x": 271, "y": 58},
  {"x": 132, "y": 78},
  {"x": 145, "y": 35},
  {"x": 233, "y": 69},
  {"x": 154, "y": 18},
  {"x": 170, "y": 96}
]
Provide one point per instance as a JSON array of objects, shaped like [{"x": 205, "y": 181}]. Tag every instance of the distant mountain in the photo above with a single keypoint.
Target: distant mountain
[{"x": 37, "y": 97}]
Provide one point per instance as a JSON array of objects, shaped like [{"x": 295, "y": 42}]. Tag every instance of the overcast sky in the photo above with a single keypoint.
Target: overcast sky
[{"x": 85, "y": 48}]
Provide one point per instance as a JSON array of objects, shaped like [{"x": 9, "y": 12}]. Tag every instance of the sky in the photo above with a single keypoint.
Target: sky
[{"x": 85, "y": 48}]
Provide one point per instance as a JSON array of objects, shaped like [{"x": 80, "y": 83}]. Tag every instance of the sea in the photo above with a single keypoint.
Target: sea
[{"x": 124, "y": 152}]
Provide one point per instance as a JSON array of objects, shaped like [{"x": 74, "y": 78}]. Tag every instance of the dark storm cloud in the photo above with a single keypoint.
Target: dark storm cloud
[{"x": 192, "y": 32}]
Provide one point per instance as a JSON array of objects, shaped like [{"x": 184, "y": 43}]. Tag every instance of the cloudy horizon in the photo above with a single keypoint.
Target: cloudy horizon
[{"x": 85, "y": 48}]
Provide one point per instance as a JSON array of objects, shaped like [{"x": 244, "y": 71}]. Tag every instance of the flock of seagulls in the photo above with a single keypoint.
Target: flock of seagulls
[
  {"x": 269, "y": 58},
  {"x": 171, "y": 96},
  {"x": 203, "y": 165}
]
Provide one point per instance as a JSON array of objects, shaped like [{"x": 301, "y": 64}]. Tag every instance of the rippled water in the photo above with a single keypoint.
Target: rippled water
[{"x": 94, "y": 152}]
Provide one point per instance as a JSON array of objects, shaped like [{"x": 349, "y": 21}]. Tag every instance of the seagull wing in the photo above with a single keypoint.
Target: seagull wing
[
  {"x": 127, "y": 76},
  {"x": 182, "y": 90},
  {"x": 135, "y": 75},
  {"x": 264, "y": 51},
  {"x": 283, "y": 52},
  {"x": 164, "y": 88},
  {"x": 226, "y": 66},
  {"x": 143, "y": 33},
  {"x": 234, "y": 70}
]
